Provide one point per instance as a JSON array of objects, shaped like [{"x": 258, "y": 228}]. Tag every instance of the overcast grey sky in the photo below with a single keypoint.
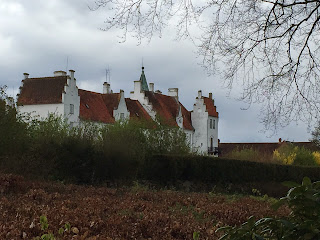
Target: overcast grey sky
[{"x": 37, "y": 37}]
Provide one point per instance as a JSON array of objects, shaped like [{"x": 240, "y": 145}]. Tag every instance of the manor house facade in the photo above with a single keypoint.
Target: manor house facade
[{"x": 60, "y": 95}]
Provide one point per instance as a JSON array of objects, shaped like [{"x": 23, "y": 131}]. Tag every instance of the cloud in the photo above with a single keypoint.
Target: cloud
[{"x": 40, "y": 37}]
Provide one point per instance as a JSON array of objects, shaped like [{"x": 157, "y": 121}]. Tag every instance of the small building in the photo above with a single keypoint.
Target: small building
[{"x": 60, "y": 95}]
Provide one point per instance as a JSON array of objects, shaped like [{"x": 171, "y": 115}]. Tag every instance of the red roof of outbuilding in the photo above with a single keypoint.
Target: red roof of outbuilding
[
  {"x": 211, "y": 108},
  {"x": 46, "y": 90},
  {"x": 167, "y": 108}
]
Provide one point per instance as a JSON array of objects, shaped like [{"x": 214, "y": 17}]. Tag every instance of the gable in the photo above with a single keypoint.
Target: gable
[
  {"x": 210, "y": 107},
  {"x": 167, "y": 108},
  {"x": 47, "y": 90}
]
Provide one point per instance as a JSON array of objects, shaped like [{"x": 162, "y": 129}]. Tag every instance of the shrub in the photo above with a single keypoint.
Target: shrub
[
  {"x": 249, "y": 154},
  {"x": 12, "y": 128},
  {"x": 303, "y": 223},
  {"x": 292, "y": 155}
]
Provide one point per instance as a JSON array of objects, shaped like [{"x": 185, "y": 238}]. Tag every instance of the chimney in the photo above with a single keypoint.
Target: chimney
[
  {"x": 173, "y": 92},
  {"x": 71, "y": 74},
  {"x": 210, "y": 96},
  {"x": 151, "y": 87},
  {"x": 280, "y": 140},
  {"x": 199, "y": 94},
  {"x": 26, "y": 75},
  {"x": 106, "y": 88},
  {"x": 59, "y": 73},
  {"x": 121, "y": 93},
  {"x": 137, "y": 86}
]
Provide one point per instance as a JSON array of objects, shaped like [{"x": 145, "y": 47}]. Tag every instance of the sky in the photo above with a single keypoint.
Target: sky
[{"x": 40, "y": 37}]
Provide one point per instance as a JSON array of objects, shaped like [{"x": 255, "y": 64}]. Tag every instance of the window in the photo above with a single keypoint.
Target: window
[
  {"x": 71, "y": 109},
  {"x": 121, "y": 116},
  {"x": 212, "y": 124}
]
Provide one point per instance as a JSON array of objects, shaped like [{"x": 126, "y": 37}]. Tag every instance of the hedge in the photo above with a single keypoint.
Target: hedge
[{"x": 169, "y": 169}]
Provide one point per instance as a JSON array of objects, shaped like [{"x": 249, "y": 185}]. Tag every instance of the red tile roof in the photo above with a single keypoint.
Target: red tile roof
[
  {"x": 137, "y": 111},
  {"x": 99, "y": 107},
  {"x": 211, "y": 108},
  {"x": 46, "y": 90},
  {"x": 167, "y": 109},
  {"x": 111, "y": 100},
  {"x": 93, "y": 107}
]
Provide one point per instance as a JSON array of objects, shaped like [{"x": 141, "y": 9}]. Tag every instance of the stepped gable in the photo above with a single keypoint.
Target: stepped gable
[
  {"x": 46, "y": 90},
  {"x": 211, "y": 108},
  {"x": 93, "y": 107},
  {"x": 167, "y": 108},
  {"x": 136, "y": 110},
  {"x": 111, "y": 100}
]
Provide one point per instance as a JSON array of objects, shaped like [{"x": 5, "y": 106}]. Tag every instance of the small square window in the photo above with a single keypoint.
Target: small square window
[{"x": 71, "y": 109}]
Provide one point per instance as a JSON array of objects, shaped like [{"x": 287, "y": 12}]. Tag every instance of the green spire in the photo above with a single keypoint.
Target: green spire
[{"x": 143, "y": 80}]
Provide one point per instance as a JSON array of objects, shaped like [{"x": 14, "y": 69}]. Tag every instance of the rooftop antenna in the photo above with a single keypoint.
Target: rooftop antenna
[
  {"x": 67, "y": 63},
  {"x": 108, "y": 73}
]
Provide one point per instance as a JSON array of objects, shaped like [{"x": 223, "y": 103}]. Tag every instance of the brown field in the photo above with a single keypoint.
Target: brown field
[{"x": 123, "y": 213}]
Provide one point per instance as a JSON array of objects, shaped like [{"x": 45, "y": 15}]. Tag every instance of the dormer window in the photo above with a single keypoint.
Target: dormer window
[{"x": 71, "y": 109}]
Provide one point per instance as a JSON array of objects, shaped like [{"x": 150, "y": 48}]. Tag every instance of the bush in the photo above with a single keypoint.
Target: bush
[
  {"x": 12, "y": 128},
  {"x": 303, "y": 223},
  {"x": 247, "y": 154},
  {"x": 293, "y": 155}
]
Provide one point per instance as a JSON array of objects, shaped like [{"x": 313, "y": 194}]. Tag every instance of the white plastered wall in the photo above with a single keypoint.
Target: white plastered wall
[
  {"x": 199, "y": 118},
  {"x": 42, "y": 111},
  {"x": 139, "y": 95},
  {"x": 71, "y": 96},
  {"x": 122, "y": 108},
  {"x": 213, "y": 132}
]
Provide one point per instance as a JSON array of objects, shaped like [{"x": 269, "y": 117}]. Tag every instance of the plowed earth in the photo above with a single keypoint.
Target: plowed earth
[{"x": 108, "y": 213}]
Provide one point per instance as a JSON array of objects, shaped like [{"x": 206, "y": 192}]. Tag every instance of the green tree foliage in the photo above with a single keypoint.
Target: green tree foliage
[
  {"x": 12, "y": 128},
  {"x": 303, "y": 223},
  {"x": 316, "y": 135},
  {"x": 294, "y": 155}
]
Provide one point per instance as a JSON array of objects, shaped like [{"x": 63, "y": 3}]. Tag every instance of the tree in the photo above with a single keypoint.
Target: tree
[
  {"x": 316, "y": 135},
  {"x": 269, "y": 46},
  {"x": 12, "y": 128}
]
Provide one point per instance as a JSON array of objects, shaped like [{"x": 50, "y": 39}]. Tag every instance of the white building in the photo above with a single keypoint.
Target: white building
[{"x": 60, "y": 95}]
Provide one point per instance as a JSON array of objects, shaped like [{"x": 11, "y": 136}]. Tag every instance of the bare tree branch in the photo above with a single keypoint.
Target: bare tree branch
[{"x": 271, "y": 45}]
